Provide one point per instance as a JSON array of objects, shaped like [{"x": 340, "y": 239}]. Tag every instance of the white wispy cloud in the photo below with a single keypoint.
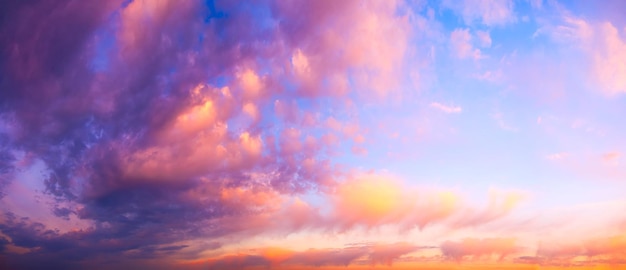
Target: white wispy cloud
[{"x": 446, "y": 108}]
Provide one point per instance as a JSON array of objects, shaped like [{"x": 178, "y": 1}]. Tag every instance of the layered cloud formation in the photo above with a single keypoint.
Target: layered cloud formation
[{"x": 286, "y": 134}]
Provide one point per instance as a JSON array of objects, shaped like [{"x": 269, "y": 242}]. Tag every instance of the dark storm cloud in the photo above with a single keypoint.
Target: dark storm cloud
[{"x": 93, "y": 89}]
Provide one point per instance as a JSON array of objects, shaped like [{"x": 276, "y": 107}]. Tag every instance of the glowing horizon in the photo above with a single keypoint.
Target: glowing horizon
[{"x": 325, "y": 134}]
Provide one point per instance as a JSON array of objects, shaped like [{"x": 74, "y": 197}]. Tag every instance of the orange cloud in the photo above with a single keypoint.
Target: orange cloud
[
  {"x": 198, "y": 140},
  {"x": 251, "y": 110},
  {"x": 277, "y": 255},
  {"x": 327, "y": 257},
  {"x": 238, "y": 261},
  {"x": 251, "y": 84},
  {"x": 373, "y": 200},
  {"x": 614, "y": 246},
  {"x": 500, "y": 247},
  {"x": 370, "y": 199},
  {"x": 284, "y": 258},
  {"x": 611, "y": 156},
  {"x": 366, "y": 201}
]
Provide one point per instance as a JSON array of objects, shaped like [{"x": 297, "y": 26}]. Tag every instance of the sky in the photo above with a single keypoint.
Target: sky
[{"x": 291, "y": 134}]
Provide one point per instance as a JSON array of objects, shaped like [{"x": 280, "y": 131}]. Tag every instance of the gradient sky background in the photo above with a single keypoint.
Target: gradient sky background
[{"x": 175, "y": 134}]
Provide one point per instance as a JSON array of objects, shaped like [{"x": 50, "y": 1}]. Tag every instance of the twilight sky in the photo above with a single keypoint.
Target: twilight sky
[{"x": 181, "y": 134}]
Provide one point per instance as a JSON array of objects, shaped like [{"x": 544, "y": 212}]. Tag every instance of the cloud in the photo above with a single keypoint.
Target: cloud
[
  {"x": 386, "y": 254},
  {"x": 154, "y": 115},
  {"x": 70, "y": 250},
  {"x": 500, "y": 247},
  {"x": 238, "y": 262},
  {"x": 328, "y": 257},
  {"x": 559, "y": 252},
  {"x": 484, "y": 38},
  {"x": 609, "y": 59},
  {"x": 267, "y": 257},
  {"x": 375, "y": 254},
  {"x": 500, "y": 120},
  {"x": 370, "y": 198},
  {"x": 500, "y": 204},
  {"x": 445, "y": 108},
  {"x": 335, "y": 44},
  {"x": 487, "y": 12},
  {"x": 599, "y": 249},
  {"x": 611, "y": 156},
  {"x": 215, "y": 211},
  {"x": 536, "y": 4},
  {"x": 373, "y": 200},
  {"x": 614, "y": 246},
  {"x": 7, "y": 163},
  {"x": 461, "y": 42},
  {"x": 557, "y": 156},
  {"x": 602, "y": 45},
  {"x": 158, "y": 131}
]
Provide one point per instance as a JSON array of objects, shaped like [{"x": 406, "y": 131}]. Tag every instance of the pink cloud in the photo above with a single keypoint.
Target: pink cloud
[
  {"x": 603, "y": 46},
  {"x": 598, "y": 249},
  {"x": 446, "y": 108},
  {"x": 559, "y": 252},
  {"x": 500, "y": 204},
  {"x": 291, "y": 141},
  {"x": 500, "y": 247},
  {"x": 374, "y": 65},
  {"x": 367, "y": 201},
  {"x": 386, "y": 254},
  {"x": 484, "y": 39},
  {"x": 610, "y": 59},
  {"x": 287, "y": 110},
  {"x": 251, "y": 84},
  {"x": 461, "y": 42},
  {"x": 357, "y": 150},
  {"x": 182, "y": 129}
]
